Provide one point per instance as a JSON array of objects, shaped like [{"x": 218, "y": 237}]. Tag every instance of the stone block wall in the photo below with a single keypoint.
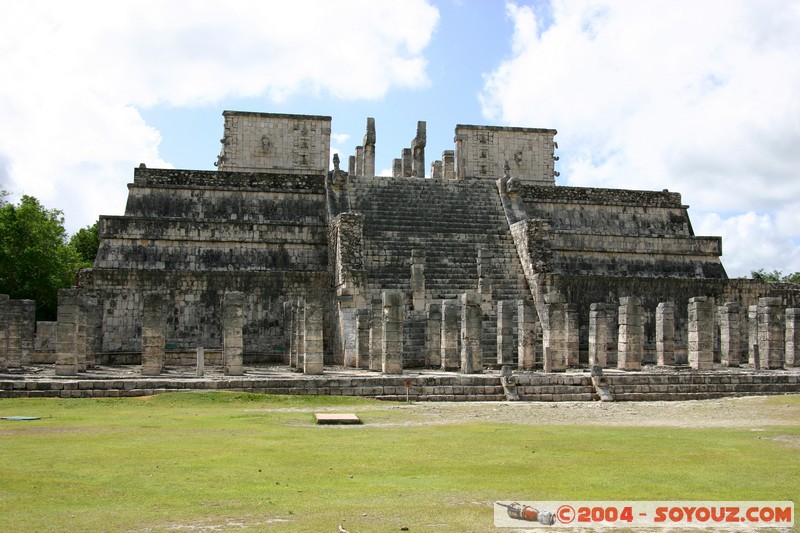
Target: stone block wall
[
  {"x": 620, "y": 233},
  {"x": 266, "y": 142},
  {"x": 195, "y": 307},
  {"x": 17, "y": 327},
  {"x": 193, "y": 235},
  {"x": 587, "y": 290},
  {"x": 482, "y": 151}
]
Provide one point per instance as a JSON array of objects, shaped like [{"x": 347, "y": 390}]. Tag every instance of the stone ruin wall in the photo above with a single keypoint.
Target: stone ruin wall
[
  {"x": 586, "y": 290},
  {"x": 194, "y": 308},
  {"x": 17, "y": 326},
  {"x": 268, "y": 142},
  {"x": 621, "y": 233},
  {"x": 195, "y": 236},
  {"x": 482, "y": 151},
  {"x": 270, "y": 227}
]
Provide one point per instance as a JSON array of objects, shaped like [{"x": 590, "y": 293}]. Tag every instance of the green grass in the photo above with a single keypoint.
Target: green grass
[{"x": 229, "y": 460}]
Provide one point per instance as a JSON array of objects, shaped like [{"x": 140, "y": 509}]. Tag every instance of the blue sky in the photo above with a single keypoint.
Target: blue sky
[{"x": 694, "y": 97}]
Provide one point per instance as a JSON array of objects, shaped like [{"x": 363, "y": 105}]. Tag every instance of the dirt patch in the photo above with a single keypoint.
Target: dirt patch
[
  {"x": 746, "y": 412},
  {"x": 792, "y": 441}
]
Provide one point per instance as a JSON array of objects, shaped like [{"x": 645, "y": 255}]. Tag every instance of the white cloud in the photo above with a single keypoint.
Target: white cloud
[
  {"x": 698, "y": 97},
  {"x": 751, "y": 241},
  {"x": 339, "y": 138},
  {"x": 77, "y": 73}
]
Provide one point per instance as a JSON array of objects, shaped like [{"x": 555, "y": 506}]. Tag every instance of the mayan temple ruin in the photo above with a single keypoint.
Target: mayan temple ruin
[{"x": 475, "y": 265}]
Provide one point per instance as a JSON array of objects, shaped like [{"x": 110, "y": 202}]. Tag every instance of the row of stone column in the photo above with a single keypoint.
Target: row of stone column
[
  {"x": 304, "y": 336},
  {"x": 17, "y": 328},
  {"x": 451, "y": 343},
  {"x": 774, "y": 335},
  {"x": 154, "y": 338},
  {"x": 78, "y": 336}
]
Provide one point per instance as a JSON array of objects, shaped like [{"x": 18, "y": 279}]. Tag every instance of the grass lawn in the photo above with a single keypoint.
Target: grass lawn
[{"x": 229, "y": 461}]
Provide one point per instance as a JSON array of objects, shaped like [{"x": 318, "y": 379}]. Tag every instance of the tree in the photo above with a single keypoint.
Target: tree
[
  {"x": 35, "y": 259},
  {"x": 775, "y": 276},
  {"x": 85, "y": 242}
]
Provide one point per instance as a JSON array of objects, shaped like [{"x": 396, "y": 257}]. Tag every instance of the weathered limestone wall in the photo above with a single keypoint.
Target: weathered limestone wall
[
  {"x": 193, "y": 235},
  {"x": 195, "y": 307},
  {"x": 44, "y": 343},
  {"x": 625, "y": 386},
  {"x": 482, "y": 151},
  {"x": 586, "y": 290},
  {"x": 17, "y": 330},
  {"x": 620, "y": 232},
  {"x": 262, "y": 142}
]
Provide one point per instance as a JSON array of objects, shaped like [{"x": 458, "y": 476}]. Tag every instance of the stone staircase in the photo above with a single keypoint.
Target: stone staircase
[{"x": 450, "y": 222}]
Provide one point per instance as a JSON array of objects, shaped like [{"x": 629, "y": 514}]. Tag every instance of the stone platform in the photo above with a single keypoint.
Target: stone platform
[{"x": 651, "y": 383}]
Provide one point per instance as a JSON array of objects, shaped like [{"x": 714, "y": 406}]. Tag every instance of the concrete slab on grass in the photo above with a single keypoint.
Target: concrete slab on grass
[{"x": 337, "y": 418}]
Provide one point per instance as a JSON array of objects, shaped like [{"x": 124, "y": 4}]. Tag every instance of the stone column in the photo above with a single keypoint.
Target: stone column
[
  {"x": 201, "y": 361},
  {"x": 362, "y": 338},
  {"x": 21, "y": 320},
  {"x": 154, "y": 325},
  {"x": 554, "y": 332},
  {"x": 436, "y": 170},
  {"x": 471, "y": 330},
  {"x": 598, "y": 333},
  {"x": 392, "y": 361},
  {"x": 368, "y": 168},
  {"x": 299, "y": 330},
  {"x": 359, "y": 160},
  {"x": 701, "y": 324},
  {"x": 5, "y": 316},
  {"x": 418, "y": 151},
  {"x": 526, "y": 337},
  {"x": 729, "y": 333},
  {"x": 771, "y": 336},
  {"x": 80, "y": 334},
  {"x": 418, "y": 279},
  {"x": 312, "y": 338},
  {"x": 665, "y": 334},
  {"x": 90, "y": 323},
  {"x": 287, "y": 332},
  {"x": 450, "y": 332},
  {"x": 351, "y": 165},
  {"x": 485, "y": 271},
  {"x": 631, "y": 334},
  {"x": 376, "y": 336},
  {"x": 449, "y": 164},
  {"x": 433, "y": 340},
  {"x": 572, "y": 335},
  {"x": 505, "y": 331},
  {"x": 232, "y": 335},
  {"x": 397, "y": 168},
  {"x": 405, "y": 163},
  {"x": 752, "y": 334},
  {"x": 66, "y": 357},
  {"x": 792, "y": 337}
]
